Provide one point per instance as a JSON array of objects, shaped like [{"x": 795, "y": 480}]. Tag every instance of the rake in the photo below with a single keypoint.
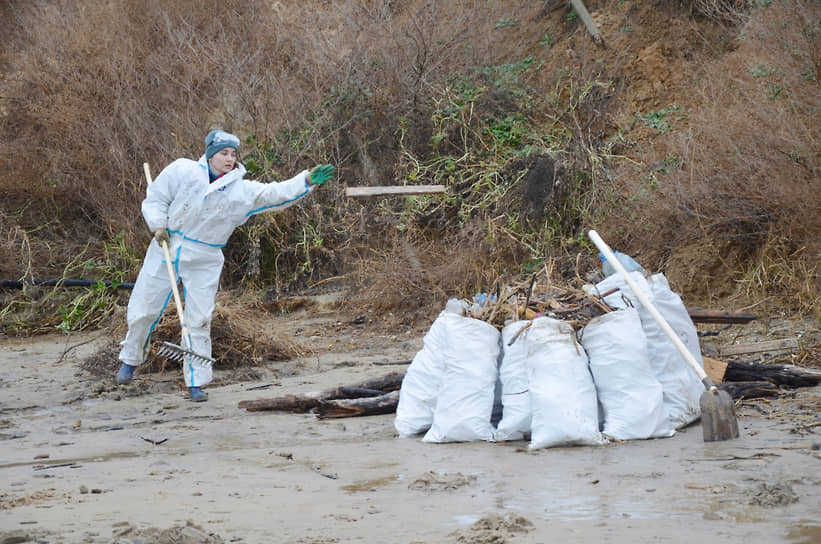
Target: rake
[
  {"x": 179, "y": 353},
  {"x": 169, "y": 350}
]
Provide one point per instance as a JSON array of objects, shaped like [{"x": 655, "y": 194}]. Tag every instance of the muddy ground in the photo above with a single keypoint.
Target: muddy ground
[{"x": 83, "y": 460}]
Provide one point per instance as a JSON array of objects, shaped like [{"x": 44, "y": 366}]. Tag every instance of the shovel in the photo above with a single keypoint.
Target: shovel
[
  {"x": 718, "y": 420},
  {"x": 169, "y": 350}
]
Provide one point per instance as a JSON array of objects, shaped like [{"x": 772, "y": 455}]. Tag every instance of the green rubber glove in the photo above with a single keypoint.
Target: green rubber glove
[{"x": 322, "y": 173}]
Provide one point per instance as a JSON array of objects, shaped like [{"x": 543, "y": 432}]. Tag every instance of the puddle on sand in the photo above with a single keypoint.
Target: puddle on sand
[
  {"x": 368, "y": 485},
  {"x": 809, "y": 533},
  {"x": 95, "y": 459},
  {"x": 467, "y": 520},
  {"x": 568, "y": 507}
]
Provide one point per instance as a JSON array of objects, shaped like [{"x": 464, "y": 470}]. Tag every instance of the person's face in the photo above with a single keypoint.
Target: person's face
[{"x": 223, "y": 161}]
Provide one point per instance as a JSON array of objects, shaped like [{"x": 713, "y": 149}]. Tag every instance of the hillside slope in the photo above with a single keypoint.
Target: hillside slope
[{"x": 689, "y": 138}]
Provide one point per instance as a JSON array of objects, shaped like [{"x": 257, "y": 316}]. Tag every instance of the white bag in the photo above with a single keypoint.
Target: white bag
[
  {"x": 562, "y": 394},
  {"x": 679, "y": 382},
  {"x": 423, "y": 379},
  {"x": 465, "y": 400},
  {"x": 513, "y": 374},
  {"x": 682, "y": 385},
  {"x": 630, "y": 396}
]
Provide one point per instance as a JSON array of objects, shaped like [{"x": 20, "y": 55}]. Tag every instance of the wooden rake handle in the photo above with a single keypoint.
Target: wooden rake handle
[{"x": 171, "y": 274}]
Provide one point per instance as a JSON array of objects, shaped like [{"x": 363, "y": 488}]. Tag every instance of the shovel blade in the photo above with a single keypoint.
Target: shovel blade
[{"x": 718, "y": 419}]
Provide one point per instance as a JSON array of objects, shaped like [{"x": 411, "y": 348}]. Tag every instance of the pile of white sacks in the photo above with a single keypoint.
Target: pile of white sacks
[{"x": 619, "y": 377}]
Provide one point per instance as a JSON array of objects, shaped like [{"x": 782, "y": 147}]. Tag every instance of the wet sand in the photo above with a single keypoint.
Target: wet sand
[{"x": 85, "y": 463}]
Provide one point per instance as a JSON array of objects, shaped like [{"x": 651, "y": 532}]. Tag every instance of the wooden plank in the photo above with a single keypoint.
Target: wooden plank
[
  {"x": 715, "y": 369},
  {"x": 697, "y": 315},
  {"x": 785, "y": 344},
  {"x": 388, "y": 190}
]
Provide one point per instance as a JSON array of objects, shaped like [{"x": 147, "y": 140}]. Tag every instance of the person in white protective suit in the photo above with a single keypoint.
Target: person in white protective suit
[{"x": 195, "y": 206}]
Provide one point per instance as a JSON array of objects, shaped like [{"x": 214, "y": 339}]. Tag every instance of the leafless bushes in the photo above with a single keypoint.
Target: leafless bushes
[
  {"x": 728, "y": 11},
  {"x": 474, "y": 95},
  {"x": 750, "y": 166}
]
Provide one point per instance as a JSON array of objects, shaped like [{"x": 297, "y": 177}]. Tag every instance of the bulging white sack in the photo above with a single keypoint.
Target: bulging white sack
[
  {"x": 562, "y": 394},
  {"x": 683, "y": 383},
  {"x": 465, "y": 400},
  {"x": 423, "y": 379},
  {"x": 630, "y": 395},
  {"x": 513, "y": 373},
  {"x": 680, "y": 383}
]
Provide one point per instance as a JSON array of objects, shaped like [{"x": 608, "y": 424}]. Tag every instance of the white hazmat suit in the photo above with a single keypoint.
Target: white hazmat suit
[{"x": 200, "y": 217}]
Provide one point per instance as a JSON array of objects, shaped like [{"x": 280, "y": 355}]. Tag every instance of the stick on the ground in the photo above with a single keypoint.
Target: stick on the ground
[{"x": 697, "y": 315}]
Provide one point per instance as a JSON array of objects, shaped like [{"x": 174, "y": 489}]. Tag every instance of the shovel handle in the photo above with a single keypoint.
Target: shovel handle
[
  {"x": 650, "y": 307},
  {"x": 171, "y": 274}
]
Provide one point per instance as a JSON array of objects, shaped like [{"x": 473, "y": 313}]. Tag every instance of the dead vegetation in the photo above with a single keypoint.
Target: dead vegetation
[
  {"x": 690, "y": 141},
  {"x": 239, "y": 340}
]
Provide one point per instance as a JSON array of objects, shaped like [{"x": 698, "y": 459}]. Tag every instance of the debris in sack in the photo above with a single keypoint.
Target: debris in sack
[{"x": 536, "y": 297}]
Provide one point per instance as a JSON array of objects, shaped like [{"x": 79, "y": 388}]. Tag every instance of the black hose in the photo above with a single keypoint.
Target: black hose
[{"x": 17, "y": 284}]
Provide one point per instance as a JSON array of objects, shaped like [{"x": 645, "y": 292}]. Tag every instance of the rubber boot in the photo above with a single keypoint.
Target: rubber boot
[
  {"x": 125, "y": 374},
  {"x": 197, "y": 394}
]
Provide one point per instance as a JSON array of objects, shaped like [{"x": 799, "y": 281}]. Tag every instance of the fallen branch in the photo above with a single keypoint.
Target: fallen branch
[
  {"x": 383, "y": 404},
  {"x": 303, "y": 403},
  {"x": 749, "y": 390},
  {"x": 780, "y": 375}
]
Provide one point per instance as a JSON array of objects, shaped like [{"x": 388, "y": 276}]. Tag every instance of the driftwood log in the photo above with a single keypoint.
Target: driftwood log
[
  {"x": 780, "y": 375},
  {"x": 749, "y": 390},
  {"x": 385, "y": 403},
  {"x": 755, "y": 380},
  {"x": 365, "y": 390}
]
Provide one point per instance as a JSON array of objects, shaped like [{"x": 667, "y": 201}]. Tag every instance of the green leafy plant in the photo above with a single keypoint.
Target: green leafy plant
[
  {"x": 659, "y": 120},
  {"x": 762, "y": 70}
]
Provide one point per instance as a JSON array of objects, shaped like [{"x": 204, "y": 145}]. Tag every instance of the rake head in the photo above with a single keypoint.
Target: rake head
[{"x": 179, "y": 353}]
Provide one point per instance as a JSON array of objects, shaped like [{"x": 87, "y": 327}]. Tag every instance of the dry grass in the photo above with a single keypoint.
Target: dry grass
[{"x": 743, "y": 174}]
